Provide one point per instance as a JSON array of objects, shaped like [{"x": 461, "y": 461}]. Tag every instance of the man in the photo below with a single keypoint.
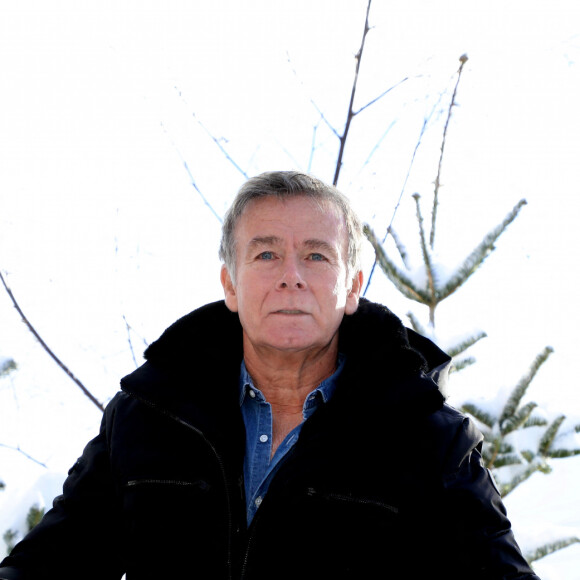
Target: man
[{"x": 293, "y": 431}]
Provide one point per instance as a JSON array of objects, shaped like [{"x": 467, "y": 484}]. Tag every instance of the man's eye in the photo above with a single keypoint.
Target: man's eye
[
  {"x": 266, "y": 256},
  {"x": 317, "y": 257}
]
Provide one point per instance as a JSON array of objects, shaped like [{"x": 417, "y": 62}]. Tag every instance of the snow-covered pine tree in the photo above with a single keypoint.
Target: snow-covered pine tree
[
  {"x": 7, "y": 365},
  {"x": 520, "y": 440}
]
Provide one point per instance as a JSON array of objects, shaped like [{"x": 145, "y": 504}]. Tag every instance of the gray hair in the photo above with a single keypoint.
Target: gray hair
[{"x": 284, "y": 185}]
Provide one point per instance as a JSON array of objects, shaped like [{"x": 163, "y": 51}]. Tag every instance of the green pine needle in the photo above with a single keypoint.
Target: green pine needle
[
  {"x": 479, "y": 254},
  {"x": 548, "y": 438},
  {"x": 550, "y": 548},
  {"x": 483, "y": 417},
  {"x": 395, "y": 275},
  {"x": 517, "y": 419}
]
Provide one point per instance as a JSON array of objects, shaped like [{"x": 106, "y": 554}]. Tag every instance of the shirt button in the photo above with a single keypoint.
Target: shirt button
[
  {"x": 252, "y": 393},
  {"x": 258, "y": 501},
  {"x": 263, "y": 438}
]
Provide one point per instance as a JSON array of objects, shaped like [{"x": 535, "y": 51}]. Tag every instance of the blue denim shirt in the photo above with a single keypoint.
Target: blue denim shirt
[{"x": 257, "y": 414}]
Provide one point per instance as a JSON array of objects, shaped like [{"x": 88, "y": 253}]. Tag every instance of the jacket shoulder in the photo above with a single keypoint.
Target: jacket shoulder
[{"x": 455, "y": 437}]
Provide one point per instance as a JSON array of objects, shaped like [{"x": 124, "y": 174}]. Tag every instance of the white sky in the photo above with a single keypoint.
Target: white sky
[{"x": 98, "y": 218}]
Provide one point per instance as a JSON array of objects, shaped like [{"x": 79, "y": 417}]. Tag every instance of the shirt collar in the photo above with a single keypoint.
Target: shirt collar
[{"x": 324, "y": 390}]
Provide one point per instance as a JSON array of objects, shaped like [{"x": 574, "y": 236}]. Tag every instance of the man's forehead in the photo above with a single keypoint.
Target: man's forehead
[
  {"x": 275, "y": 207},
  {"x": 267, "y": 218}
]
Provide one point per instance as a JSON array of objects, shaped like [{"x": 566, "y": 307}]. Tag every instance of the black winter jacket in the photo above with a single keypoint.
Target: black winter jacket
[{"x": 385, "y": 481}]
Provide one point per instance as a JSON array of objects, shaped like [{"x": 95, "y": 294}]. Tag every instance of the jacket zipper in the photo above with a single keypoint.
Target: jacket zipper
[
  {"x": 198, "y": 483},
  {"x": 249, "y": 543},
  {"x": 220, "y": 463},
  {"x": 346, "y": 498}
]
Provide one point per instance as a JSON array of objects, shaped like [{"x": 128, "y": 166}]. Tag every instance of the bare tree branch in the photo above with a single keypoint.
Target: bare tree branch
[
  {"x": 350, "y": 115},
  {"x": 312, "y": 147},
  {"x": 213, "y": 138},
  {"x": 191, "y": 179},
  {"x": 462, "y": 60},
  {"x": 17, "y": 448},
  {"x": 380, "y": 96},
  {"x": 312, "y": 102},
  {"x": 128, "y": 327},
  {"x": 390, "y": 226},
  {"x": 71, "y": 376},
  {"x": 412, "y": 162}
]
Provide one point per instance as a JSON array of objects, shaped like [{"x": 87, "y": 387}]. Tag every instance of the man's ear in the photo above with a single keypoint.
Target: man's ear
[
  {"x": 231, "y": 298},
  {"x": 354, "y": 293}
]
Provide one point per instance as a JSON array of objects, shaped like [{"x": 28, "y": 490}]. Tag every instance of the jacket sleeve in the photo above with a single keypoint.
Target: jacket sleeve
[
  {"x": 478, "y": 515},
  {"x": 77, "y": 538}
]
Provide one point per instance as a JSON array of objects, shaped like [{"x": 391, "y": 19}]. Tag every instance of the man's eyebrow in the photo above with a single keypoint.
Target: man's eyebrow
[
  {"x": 311, "y": 244},
  {"x": 260, "y": 241},
  {"x": 316, "y": 244}
]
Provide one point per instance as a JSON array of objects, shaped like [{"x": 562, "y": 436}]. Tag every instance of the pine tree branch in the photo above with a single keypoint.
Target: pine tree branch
[
  {"x": 483, "y": 417},
  {"x": 31, "y": 328},
  {"x": 562, "y": 453},
  {"x": 504, "y": 460},
  {"x": 548, "y": 438},
  {"x": 431, "y": 282},
  {"x": 459, "y": 365},
  {"x": 7, "y": 366},
  {"x": 462, "y": 59},
  {"x": 350, "y": 115},
  {"x": 400, "y": 246},
  {"x": 477, "y": 257},
  {"x": 550, "y": 548},
  {"x": 416, "y": 325},
  {"x": 507, "y": 488},
  {"x": 535, "y": 422},
  {"x": 403, "y": 189},
  {"x": 517, "y": 419},
  {"x": 520, "y": 389},
  {"x": 398, "y": 278},
  {"x": 465, "y": 344}
]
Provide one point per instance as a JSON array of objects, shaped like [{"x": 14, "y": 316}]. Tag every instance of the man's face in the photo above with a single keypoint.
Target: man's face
[{"x": 291, "y": 289}]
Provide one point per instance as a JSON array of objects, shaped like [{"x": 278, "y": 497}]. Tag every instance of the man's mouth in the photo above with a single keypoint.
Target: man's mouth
[{"x": 290, "y": 312}]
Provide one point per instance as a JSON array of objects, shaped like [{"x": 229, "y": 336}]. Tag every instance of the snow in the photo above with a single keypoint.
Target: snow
[{"x": 101, "y": 227}]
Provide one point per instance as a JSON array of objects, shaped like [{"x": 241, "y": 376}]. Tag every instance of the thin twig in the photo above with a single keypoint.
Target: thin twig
[
  {"x": 412, "y": 162},
  {"x": 191, "y": 179},
  {"x": 463, "y": 59},
  {"x": 380, "y": 96},
  {"x": 17, "y": 448},
  {"x": 48, "y": 350},
  {"x": 312, "y": 147},
  {"x": 312, "y": 101},
  {"x": 390, "y": 226},
  {"x": 128, "y": 327},
  {"x": 212, "y": 137},
  {"x": 350, "y": 115}
]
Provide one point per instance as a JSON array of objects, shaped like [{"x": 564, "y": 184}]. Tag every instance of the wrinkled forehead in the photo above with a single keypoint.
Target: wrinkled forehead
[
  {"x": 311, "y": 205},
  {"x": 316, "y": 217}
]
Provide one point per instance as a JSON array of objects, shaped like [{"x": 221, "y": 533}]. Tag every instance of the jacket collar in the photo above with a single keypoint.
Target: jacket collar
[{"x": 193, "y": 368}]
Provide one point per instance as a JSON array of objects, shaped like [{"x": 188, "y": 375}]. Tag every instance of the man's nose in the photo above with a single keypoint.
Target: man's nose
[{"x": 291, "y": 276}]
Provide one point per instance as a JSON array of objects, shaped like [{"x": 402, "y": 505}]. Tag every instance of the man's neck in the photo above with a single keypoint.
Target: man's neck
[{"x": 286, "y": 378}]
